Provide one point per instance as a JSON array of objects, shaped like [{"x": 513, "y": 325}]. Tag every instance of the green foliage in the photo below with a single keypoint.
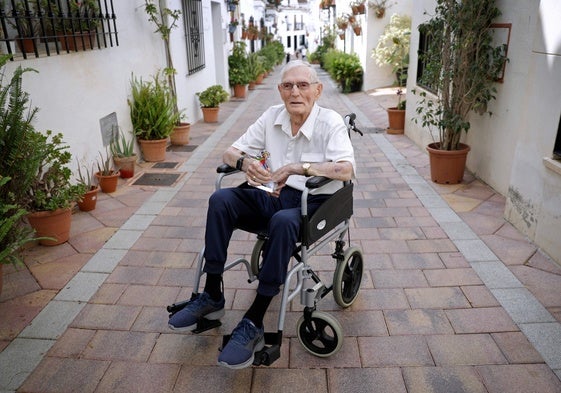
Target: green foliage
[
  {"x": 273, "y": 54},
  {"x": 85, "y": 176},
  {"x": 13, "y": 233},
  {"x": 255, "y": 65},
  {"x": 461, "y": 65},
  {"x": 51, "y": 188},
  {"x": 327, "y": 43},
  {"x": 238, "y": 71},
  {"x": 345, "y": 69},
  {"x": 84, "y": 16},
  {"x": 152, "y": 108},
  {"x": 393, "y": 47},
  {"x": 121, "y": 146},
  {"x": 213, "y": 96},
  {"x": 105, "y": 165}
]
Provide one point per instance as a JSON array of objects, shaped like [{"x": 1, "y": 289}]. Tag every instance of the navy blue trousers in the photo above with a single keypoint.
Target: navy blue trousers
[{"x": 253, "y": 210}]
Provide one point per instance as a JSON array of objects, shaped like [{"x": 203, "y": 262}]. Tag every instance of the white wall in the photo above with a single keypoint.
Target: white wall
[
  {"x": 74, "y": 91},
  {"x": 508, "y": 148}
]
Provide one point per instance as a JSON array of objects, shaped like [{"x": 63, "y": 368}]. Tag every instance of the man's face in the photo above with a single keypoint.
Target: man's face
[{"x": 299, "y": 100}]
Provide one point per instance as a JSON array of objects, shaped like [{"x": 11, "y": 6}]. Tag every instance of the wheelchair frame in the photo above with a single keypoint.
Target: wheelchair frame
[{"x": 319, "y": 333}]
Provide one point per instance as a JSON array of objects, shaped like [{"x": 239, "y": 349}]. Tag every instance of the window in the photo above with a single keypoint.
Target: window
[
  {"x": 194, "y": 35},
  {"x": 31, "y": 28},
  {"x": 423, "y": 75}
]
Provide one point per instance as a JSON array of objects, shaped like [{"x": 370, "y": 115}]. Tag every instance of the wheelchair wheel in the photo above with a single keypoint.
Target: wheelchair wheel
[
  {"x": 347, "y": 277},
  {"x": 322, "y": 336},
  {"x": 257, "y": 256}
]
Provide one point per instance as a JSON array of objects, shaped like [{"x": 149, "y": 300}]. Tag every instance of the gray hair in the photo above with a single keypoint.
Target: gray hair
[{"x": 300, "y": 63}]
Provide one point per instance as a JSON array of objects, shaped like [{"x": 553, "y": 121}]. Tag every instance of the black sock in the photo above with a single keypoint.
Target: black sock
[
  {"x": 213, "y": 286},
  {"x": 257, "y": 311}
]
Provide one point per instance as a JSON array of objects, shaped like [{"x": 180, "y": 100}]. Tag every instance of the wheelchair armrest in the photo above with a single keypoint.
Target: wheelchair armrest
[
  {"x": 317, "y": 181},
  {"x": 225, "y": 168}
]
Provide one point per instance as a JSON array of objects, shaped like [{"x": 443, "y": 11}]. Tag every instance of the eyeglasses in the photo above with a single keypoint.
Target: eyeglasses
[{"x": 300, "y": 85}]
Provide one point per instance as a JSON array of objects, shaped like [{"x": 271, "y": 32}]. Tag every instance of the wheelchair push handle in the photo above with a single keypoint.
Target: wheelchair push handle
[{"x": 350, "y": 123}]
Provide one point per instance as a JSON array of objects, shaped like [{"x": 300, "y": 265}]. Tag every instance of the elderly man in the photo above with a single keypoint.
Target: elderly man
[{"x": 302, "y": 139}]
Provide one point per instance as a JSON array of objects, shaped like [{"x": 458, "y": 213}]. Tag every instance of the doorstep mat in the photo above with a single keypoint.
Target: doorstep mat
[{"x": 163, "y": 179}]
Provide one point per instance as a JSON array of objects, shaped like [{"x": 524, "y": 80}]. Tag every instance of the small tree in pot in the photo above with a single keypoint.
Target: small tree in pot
[{"x": 461, "y": 66}]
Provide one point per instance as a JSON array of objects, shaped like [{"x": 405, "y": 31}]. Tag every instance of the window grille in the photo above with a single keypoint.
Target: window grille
[
  {"x": 194, "y": 35},
  {"x": 424, "y": 77},
  {"x": 38, "y": 28}
]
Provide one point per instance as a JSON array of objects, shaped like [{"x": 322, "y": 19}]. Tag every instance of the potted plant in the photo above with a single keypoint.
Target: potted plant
[
  {"x": 461, "y": 78},
  {"x": 393, "y": 50},
  {"x": 79, "y": 30},
  {"x": 342, "y": 22},
  {"x": 153, "y": 115},
  {"x": 379, "y": 7},
  {"x": 255, "y": 68},
  {"x": 165, "y": 20},
  {"x": 25, "y": 22},
  {"x": 358, "y": 7},
  {"x": 107, "y": 176},
  {"x": 88, "y": 200},
  {"x": 238, "y": 73},
  {"x": 52, "y": 193},
  {"x": 357, "y": 27},
  {"x": 210, "y": 100},
  {"x": 124, "y": 157}
]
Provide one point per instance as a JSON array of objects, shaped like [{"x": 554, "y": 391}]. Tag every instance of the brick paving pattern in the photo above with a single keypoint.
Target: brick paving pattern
[{"x": 454, "y": 299}]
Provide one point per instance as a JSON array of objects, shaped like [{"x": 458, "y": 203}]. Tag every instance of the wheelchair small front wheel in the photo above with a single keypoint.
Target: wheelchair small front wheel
[
  {"x": 257, "y": 257},
  {"x": 322, "y": 335},
  {"x": 347, "y": 277}
]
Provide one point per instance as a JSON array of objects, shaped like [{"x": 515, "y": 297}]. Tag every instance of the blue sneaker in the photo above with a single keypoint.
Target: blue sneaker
[
  {"x": 240, "y": 351},
  {"x": 201, "y": 306}
]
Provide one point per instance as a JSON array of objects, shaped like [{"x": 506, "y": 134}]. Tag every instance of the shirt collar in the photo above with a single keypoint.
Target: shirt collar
[{"x": 307, "y": 129}]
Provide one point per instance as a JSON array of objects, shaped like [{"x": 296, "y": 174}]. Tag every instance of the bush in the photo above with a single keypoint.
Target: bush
[{"x": 345, "y": 69}]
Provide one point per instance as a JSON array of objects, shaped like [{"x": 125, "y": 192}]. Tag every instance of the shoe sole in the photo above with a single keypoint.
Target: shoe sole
[
  {"x": 210, "y": 316},
  {"x": 260, "y": 345}
]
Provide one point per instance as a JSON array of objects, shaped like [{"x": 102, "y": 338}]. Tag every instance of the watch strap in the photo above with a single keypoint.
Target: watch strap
[{"x": 239, "y": 163}]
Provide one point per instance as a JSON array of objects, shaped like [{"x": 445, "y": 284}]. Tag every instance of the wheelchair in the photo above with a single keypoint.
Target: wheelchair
[{"x": 319, "y": 332}]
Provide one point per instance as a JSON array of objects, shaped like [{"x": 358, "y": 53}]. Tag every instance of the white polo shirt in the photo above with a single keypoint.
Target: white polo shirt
[{"x": 322, "y": 138}]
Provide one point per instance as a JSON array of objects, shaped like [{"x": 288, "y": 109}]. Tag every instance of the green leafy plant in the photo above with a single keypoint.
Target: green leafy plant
[
  {"x": 212, "y": 96},
  {"x": 255, "y": 65},
  {"x": 51, "y": 188},
  {"x": 238, "y": 72},
  {"x": 461, "y": 66},
  {"x": 13, "y": 233},
  {"x": 85, "y": 176},
  {"x": 105, "y": 165},
  {"x": 152, "y": 108},
  {"x": 345, "y": 69},
  {"x": 122, "y": 147},
  {"x": 82, "y": 16}
]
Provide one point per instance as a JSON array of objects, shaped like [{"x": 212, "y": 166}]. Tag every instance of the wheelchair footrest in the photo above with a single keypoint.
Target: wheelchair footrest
[
  {"x": 270, "y": 352},
  {"x": 204, "y": 324}
]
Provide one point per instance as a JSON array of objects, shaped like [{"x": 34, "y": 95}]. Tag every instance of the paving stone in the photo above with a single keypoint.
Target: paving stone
[
  {"x": 52, "y": 321},
  {"x": 442, "y": 380},
  {"x": 82, "y": 286},
  {"x": 481, "y": 320},
  {"x": 289, "y": 380},
  {"x": 131, "y": 377},
  {"x": 380, "y": 299},
  {"x": 210, "y": 379},
  {"x": 416, "y": 261},
  {"x": 105, "y": 316},
  {"x": 394, "y": 351},
  {"x": 192, "y": 350},
  {"x": 475, "y": 250},
  {"x": 452, "y": 277},
  {"x": 546, "y": 287},
  {"x": 546, "y": 338},
  {"x": 348, "y": 356},
  {"x": 517, "y": 378},
  {"x": 135, "y": 275},
  {"x": 365, "y": 380},
  {"x": 479, "y": 296},
  {"x": 123, "y": 240},
  {"x": 417, "y": 322},
  {"x": 465, "y": 350},
  {"x": 399, "y": 279},
  {"x": 55, "y": 375},
  {"x": 509, "y": 251},
  {"x": 522, "y": 306},
  {"x": 72, "y": 343},
  {"x": 441, "y": 298},
  {"x": 431, "y": 245},
  {"x": 104, "y": 261},
  {"x": 516, "y": 348},
  {"x": 117, "y": 345},
  {"x": 496, "y": 275}
]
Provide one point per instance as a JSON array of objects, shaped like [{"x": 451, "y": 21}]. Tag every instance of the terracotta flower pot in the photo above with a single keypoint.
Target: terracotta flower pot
[
  {"x": 240, "y": 91},
  {"x": 447, "y": 166},
  {"x": 180, "y": 134},
  {"x": 125, "y": 165},
  {"x": 89, "y": 200},
  {"x": 54, "y": 224},
  {"x": 108, "y": 184},
  {"x": 210, "y": 115},
  {"x": 77, "y": 41},
  {"x": 153, "y": 150},
  {"x": 396, "y": 120}
]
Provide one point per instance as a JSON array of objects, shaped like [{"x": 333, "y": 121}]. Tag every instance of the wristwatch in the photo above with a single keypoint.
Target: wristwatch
[
  {"x": 306, "y": 167},
  {"x": 239, "y": 163}
]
